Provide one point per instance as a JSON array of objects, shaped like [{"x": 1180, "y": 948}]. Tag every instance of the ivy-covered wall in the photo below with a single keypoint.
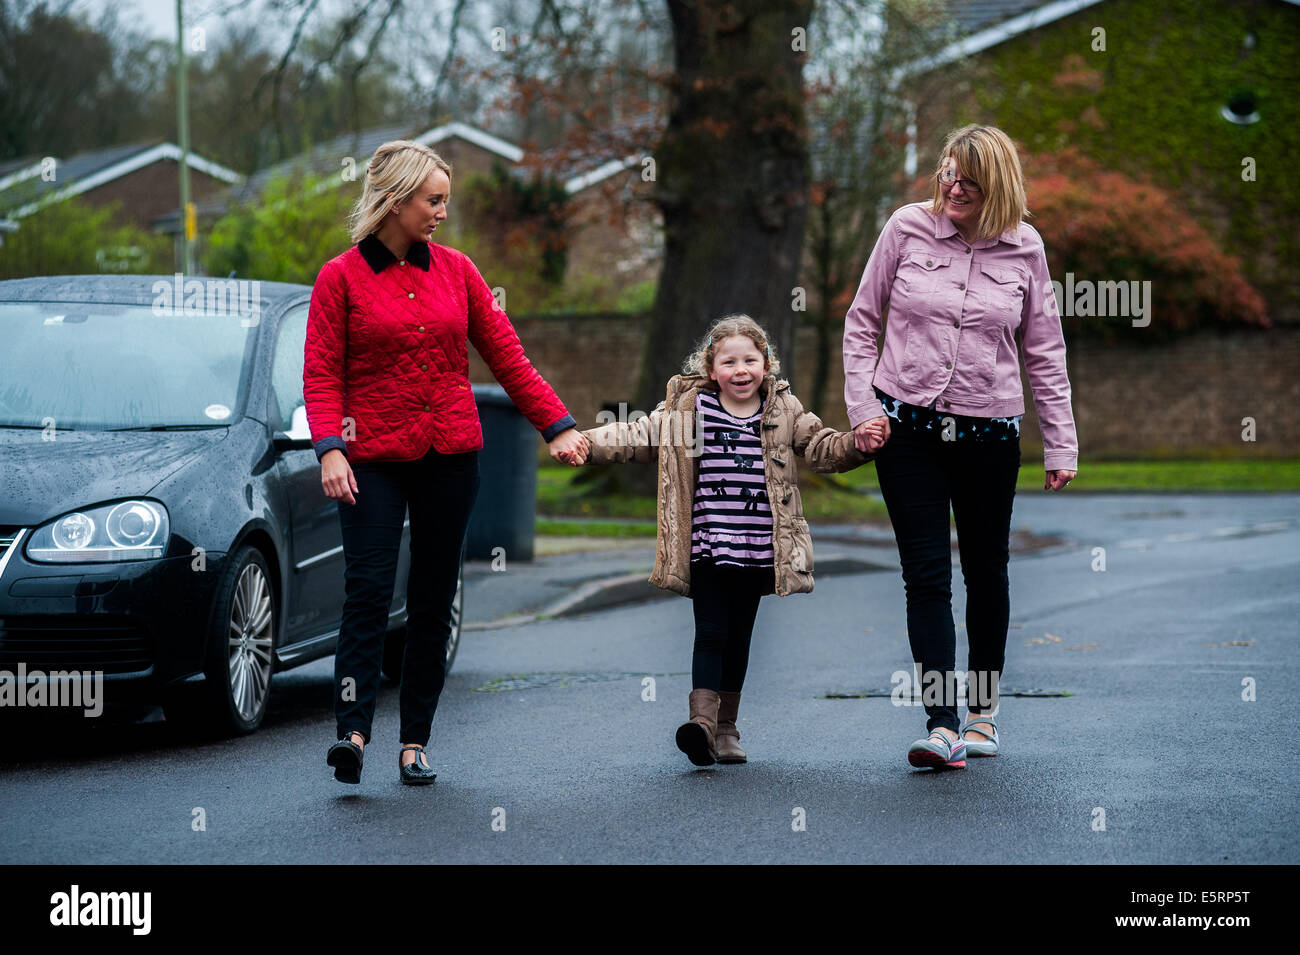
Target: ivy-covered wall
[{"x": 1149, "y": 104}]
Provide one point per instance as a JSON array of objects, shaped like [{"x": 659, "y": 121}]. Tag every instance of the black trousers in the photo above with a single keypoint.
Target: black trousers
[
  {"x": 726, "y": 605},
  {"x": 439, "y": 490},
  {"x": 921, "y": 477}
]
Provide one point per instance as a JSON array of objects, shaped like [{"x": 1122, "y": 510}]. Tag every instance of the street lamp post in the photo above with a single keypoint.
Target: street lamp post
[{"x": 188, "y": 225}]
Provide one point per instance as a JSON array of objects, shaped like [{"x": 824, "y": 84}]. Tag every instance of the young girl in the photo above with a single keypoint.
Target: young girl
[{"x": 731, "y": 525}]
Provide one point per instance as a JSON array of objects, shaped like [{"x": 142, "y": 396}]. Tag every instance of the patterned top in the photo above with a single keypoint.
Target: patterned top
[
  {"x": 963, "y": 428},
  {"x": 731, "y": 522}
]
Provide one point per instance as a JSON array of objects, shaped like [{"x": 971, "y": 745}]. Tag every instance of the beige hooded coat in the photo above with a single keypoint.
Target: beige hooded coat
[{"x": 669, "y": 434}]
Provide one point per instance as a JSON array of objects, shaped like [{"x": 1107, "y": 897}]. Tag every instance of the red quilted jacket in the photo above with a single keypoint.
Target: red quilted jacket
[{"x": 386, "y": 371}]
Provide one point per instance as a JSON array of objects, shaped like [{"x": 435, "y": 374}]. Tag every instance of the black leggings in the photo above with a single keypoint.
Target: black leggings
[
  {"x": 726, "y": 603},
  {"x": 439, "y": 490},
  {"x": 921, "y": 475}
]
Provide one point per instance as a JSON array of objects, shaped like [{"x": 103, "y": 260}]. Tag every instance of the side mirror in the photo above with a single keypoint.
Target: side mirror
[{"x": 298, "y": 437}]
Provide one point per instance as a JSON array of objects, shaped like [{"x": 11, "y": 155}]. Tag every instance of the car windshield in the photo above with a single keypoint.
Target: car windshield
[{"x": 101, "y": 367}]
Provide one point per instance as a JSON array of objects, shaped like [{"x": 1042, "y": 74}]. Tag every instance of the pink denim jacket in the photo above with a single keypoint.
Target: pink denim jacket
[{"x": 957, "y": 314}]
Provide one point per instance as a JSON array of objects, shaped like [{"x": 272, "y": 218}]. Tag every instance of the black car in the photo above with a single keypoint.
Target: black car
[{"x": 161, "y": 514}]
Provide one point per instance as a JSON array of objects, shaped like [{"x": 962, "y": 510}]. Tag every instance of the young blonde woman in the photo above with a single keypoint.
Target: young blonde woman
[
  {"x": 395, "y": 426},
  {"x": 966, "y": 285}
]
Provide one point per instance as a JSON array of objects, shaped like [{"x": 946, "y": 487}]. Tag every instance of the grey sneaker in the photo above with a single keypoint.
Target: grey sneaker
[
  {"x": 937, "y": 751},
  {"x": 984, "y": 747}
]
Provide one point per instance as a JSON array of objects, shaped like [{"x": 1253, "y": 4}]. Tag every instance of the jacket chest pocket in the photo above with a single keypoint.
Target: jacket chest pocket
[
  {"x": 1002, "y": 290},
  {"x": 921, "y": 274}
]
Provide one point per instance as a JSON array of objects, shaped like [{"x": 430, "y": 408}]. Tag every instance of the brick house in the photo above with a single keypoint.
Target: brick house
[
  {"x": 1181, "y": 93},
  {"x": 143, "y": 177}
]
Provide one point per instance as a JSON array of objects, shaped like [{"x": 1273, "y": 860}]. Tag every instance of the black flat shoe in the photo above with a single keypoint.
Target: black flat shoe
[
  {"x": 414, "y": 773},
  {"x": 346, "y": 758}
]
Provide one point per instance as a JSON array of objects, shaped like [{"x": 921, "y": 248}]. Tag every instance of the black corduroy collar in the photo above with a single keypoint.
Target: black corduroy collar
[{"x": 379, "y": 257}]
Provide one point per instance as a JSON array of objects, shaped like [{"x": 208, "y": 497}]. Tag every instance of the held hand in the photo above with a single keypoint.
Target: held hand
[
  {"x": 570, "y": 446},
  {"x": 336, "y": 477},
  {"x": 871, "y": 435},
  {"x": 1056, "y": 480}
]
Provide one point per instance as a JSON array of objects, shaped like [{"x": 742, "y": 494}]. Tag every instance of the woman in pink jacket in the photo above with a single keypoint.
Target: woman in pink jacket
[{"x": 966, "y": 286}]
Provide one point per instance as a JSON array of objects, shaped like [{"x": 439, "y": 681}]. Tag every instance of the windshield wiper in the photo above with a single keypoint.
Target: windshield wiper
[{"x": 170, "y": 427}]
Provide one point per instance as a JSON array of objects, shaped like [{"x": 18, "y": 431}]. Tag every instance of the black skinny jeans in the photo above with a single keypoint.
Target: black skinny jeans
[
  {"x": 726, "y": 605},
  {"x": 439, "y": 489},
  {"x": 921, "y": 476}
]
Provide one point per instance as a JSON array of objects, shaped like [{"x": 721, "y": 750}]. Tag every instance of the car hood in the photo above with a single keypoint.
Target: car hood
[{"x": 40, "y": 480}]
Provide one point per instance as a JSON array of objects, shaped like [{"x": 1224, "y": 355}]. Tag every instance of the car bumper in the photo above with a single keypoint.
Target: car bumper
[{"x": 141, "y": 624}]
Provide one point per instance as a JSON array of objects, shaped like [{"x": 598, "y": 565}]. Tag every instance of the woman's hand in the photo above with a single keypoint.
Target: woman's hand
[
  {"x": 871, "y": 435},
  {"x": 1056, "y": 480},
  {"x": 570, "y": 446},
  {"x": 336, "y": 477}
]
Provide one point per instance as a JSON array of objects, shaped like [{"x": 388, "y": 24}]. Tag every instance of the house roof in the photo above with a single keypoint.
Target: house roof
[
  {"x": 23, "y": 189},
  {"x": 971, "y": 16},
  {"x": 993, "y": 23},
  {"x": 984, "y": 23},
  {"x": 326, "y": 158},
  {"x": 588, "y": 160}
]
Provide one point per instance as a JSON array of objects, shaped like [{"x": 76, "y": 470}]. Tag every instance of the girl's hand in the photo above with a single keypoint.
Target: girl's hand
[
  {"x": 570, "y": 446},
  {"x": 1056, "y": 480},
  {"x": 336, "y": 477},
  {"x": 871, "y": 435}
]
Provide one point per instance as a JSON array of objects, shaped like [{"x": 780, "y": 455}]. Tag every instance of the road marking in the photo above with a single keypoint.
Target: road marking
[{"x": 1272, "y": 526}]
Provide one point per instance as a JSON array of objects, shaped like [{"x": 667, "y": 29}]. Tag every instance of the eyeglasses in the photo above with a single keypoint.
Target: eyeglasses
[{"x": 968, "y": 185}]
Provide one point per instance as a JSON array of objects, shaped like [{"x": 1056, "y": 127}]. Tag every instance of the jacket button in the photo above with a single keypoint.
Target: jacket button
[
  {"x": 948, "y": 365},
  {"x": 947, "y": 404},
  {"x": 929, "y": 263},
  {"x": 402, "y": 262},
  {"x": 956, "y": 324},
  {"x": 968, "y": 251},
  {"x": 412, "y": 294},
  {"x": 421, "y": 328},
  {"x": 426, "y": 408},
  {"x": 424, "y": 368},
  {"x": 962, "y": 286}
]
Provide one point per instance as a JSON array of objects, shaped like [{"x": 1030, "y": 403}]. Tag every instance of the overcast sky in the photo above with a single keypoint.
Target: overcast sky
[{"x": 158, "y": 17}]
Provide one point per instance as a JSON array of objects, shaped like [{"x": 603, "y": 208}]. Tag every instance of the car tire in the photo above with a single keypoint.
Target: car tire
[
  {"x": 395, "y": 639},
  {"x": 240, "y": 650}
]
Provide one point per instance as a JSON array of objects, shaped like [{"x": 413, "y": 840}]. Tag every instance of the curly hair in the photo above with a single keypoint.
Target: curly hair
[{"x": 700, "y": 361}]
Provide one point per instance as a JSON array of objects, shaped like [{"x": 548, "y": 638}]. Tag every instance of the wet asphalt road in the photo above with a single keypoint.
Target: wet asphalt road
[{"x": 1199, "y": 593}]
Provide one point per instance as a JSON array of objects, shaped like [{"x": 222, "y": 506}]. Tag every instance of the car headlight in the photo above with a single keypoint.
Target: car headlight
[{"x": 130, "y": 530}]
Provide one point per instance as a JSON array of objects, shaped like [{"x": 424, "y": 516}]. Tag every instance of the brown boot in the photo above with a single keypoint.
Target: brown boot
[
  {"x": 695, "y": 737},
  {"x": 727, "y": 737}
]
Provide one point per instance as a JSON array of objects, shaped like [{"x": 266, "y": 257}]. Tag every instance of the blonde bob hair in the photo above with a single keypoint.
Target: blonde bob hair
[
  {"x": 986, "y": 155},
  {"x": 394, "y": 173},
  {"x": 700, "y": 361}
]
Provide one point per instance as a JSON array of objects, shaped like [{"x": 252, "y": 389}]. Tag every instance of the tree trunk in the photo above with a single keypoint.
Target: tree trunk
[{"x": 732, "y": 177}]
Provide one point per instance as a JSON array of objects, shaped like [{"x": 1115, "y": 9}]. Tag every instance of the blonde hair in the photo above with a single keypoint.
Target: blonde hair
[
  {"x": 394, "y": 173},
  {"x": 987, "y": 155},
  {"x": 700, "y": 361}
]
